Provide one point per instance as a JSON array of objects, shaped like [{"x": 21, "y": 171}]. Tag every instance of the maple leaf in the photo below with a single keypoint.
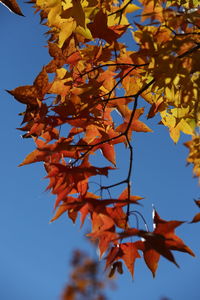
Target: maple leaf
[
  {"x": 196, "y": 218},
  {"x": 54, "y": 50},
  {"x": 100, "y": 29},
  {"x": 136, "y": 125},
  {"x": 27, "y": 94},
  {"x": 109, "y": 152},
  {"x": 197, "y": 202},
  {"x": 13, "y": 6},
  {"x": 104, "y": 239},
  {"x": 92, "y": 80},
  {"x": 34, "y": 156},
  {"x": 41, "y": 83},
  {"x": 124, "y": 196},
  {"x": 117, "y": 265},
  {"x": 152, "y": 9},
  {"x": 128, "y": 252},
  {"x": 159, "y": 242},
  {"x": 162, "y": 241},
  {"x": 194, "y": 154},
  {"x": 167, "y": 228}
]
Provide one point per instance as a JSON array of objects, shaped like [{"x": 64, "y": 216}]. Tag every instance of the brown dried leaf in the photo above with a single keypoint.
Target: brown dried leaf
[{"x": 12, "y": 6}]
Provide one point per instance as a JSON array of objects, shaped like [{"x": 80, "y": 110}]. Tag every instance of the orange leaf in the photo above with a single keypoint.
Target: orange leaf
[
  {"x": 109, "y": 152},
  {"x": 136, "y": 125},
  {"x": 33, "y": 157},
  {"x": 124, "y": 196},
  {"x": 130, "y": 253},
  {"x": 196, "y": 218},
  {"x": 61, "y": 210}
]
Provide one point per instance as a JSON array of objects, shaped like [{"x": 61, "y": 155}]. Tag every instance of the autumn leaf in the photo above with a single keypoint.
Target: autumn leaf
[
  {"x": 41, "y": 83},
  {"x": 124, "y": 196},
  {"x": 197, "y": 202},
  {"x": 109, "y": 152},
  {"x": 116, "y": 266},
  {"x": 136, "y": 125},
  {"x": 25, "y": 94},
  {"x": 128, "y": 252},
  {"x": 13, "y": 6},
  {"x": 34, "y": 156},
  {"x": 92, "y": 101},
  {"x": 159, "y": 242},
  {"x": 166, "y": 228},
  {"x": 100, "y": 29},
  {"x": 104, "y": 239},
  {"x": 151, "y": 256},
  {"x": 196, "y": 218}
]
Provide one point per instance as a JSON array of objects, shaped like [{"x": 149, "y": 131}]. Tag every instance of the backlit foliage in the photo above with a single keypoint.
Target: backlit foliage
[{"x": 107, "y": 55}]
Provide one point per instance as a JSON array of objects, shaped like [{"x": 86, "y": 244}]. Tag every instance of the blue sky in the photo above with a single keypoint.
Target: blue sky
[{"x": 34, "y": 255}]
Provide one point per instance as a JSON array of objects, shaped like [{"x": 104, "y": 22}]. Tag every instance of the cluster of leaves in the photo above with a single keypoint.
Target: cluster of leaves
[
  {"x": 86, "y": 280},
  {"x": 71, "y": 117}
]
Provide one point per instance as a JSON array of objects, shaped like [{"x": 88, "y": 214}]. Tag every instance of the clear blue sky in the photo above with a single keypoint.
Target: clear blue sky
[{"x": 34, "y": 255}]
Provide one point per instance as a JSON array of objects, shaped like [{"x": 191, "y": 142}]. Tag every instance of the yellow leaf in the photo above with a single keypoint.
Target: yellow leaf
[
  {"x": 174, "y": 134},
  {"x": 47, "y": 3},
  {"x": 54, "y": 15},
  {"x": 185, "y": 127},
  {"x": 67, "y": 27},
  {"x": 114, "y": 20},
  {"x": 131, "y": 7},
  {"x": 168, "y": 80},
  {"x": 168, "y": 120},
  {"x": 59, "y": 87},
  {"x": 181, "y": 126},
  {"x": 180, "y": 112},
  {"x": 67, "y": 4},
  {"x": 84, "y": 32},
  {"x": 61, "y": 73},
  {"x": 169, "y": 93}
]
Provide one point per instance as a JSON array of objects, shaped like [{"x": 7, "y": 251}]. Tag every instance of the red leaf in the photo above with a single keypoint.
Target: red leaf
[
  {"x": 151, "y": 256},
  {"x": 128, "y": 252},
  {"x": 100, "y": 29},
  {"x": 166, "y": 228}
]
